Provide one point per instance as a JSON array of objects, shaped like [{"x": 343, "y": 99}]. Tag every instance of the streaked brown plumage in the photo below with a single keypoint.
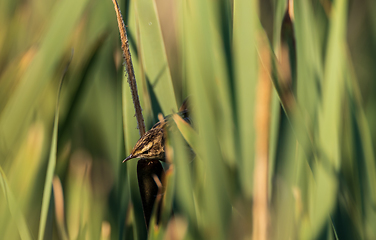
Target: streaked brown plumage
[{"x": 151, "y": 144}]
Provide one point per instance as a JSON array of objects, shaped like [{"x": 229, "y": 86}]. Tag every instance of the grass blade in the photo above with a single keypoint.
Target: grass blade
[
  {"x": 310, "y": 68},
  {"x": 245, "y": 62},
  {"x": 154, "y": 58},
  {"x": 14, "y": 208},
  {"x": 189, "y": 134},
  {"x": 330, "y": 118},
  {"x": 213, "y": 203},
  {"x": 184, "y": 189},
  {"x": 59, "y": 208},
  {"x": 51, "y": 164}
]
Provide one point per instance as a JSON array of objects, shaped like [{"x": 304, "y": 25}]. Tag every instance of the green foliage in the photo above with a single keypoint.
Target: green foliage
[{"x": 322, "y": 171}]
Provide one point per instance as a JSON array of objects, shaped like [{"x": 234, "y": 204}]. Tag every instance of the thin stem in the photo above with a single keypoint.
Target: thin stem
[
  {"x": 263, "y": 98},
  {"x": 129, "y": 69}
]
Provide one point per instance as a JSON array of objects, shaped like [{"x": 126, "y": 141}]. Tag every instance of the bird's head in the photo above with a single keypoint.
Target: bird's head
[{"x": 149, "y": 146}]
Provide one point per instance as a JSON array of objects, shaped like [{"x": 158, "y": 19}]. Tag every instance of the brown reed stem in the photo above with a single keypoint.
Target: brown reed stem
[
  {"x": 129, "y": 69},
  {"x": 263, "y": 99}
]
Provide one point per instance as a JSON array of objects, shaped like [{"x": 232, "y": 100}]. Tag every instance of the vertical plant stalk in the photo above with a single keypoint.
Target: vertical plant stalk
[
  {"x": 129, "y": 69},
  {"x": 59, "y": 208},
  {"x": 262, "y": 121},
  {"x": 146, "y": 169}
]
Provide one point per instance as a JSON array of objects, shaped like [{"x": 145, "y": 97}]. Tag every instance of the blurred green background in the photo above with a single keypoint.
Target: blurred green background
[{"x": 322, "y": 176}]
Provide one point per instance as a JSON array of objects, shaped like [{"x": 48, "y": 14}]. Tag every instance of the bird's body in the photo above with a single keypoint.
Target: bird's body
[{"x": 152, "y": 144}]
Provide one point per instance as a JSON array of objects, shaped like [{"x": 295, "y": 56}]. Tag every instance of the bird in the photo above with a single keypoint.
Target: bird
[{"x": 152, "y": 144}]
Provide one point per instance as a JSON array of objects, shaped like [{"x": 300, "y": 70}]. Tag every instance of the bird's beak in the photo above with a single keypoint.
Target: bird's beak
[{"x": 128, "y": 158}]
